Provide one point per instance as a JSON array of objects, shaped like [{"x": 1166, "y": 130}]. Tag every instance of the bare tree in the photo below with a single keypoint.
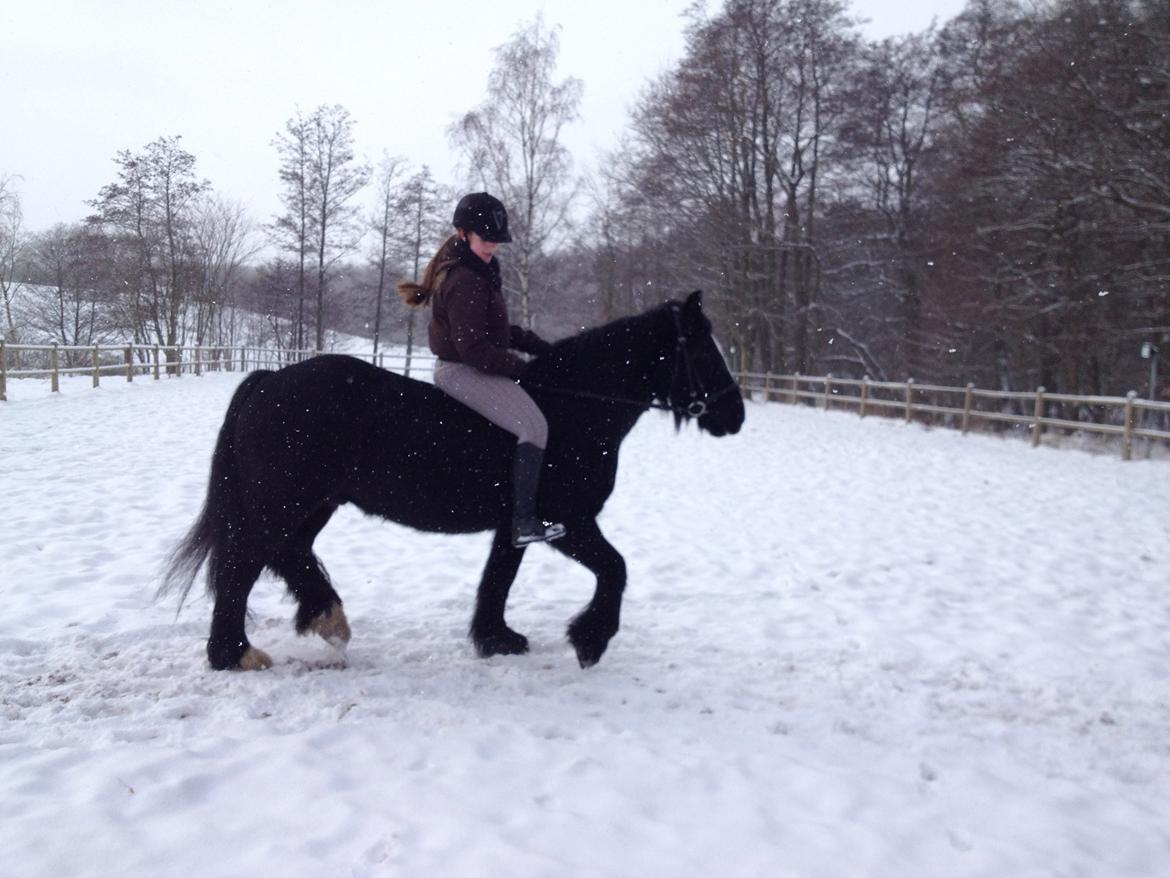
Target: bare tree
[
  {"x": 68, "y": 261},
  {"x": 335, "y": 177},
  {"x": 409, "y": 225},
  {"x": 811, "y": 86},
  {"x": 291, "y": 228},
  {"x": 272, "y": 294},
  {"x": 224, "y": 242},
  {"x": 727, "y": 152},
  {"x": 384, "y": 222},
  {"x": 151, "y": 211},
  {"x": 512, "y": 146},
  {"x": 893, "y": 127},
  {"x": 421, "y": 205},
  {"x": 1053, "y": 198},
  {"x": 12, "y": 245}
]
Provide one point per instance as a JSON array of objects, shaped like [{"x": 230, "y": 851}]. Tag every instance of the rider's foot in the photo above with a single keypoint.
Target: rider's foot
[{"x": 535, "y": 531}]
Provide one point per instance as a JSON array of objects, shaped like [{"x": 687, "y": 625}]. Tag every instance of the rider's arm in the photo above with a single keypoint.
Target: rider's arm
[{"x": 470, "y": 318}]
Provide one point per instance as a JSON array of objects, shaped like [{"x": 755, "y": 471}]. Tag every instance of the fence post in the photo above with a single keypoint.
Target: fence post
[
  {"x": 156, "y": 362},
  {"x": 129, "y": 363},
  {"x": 767, "y": 386},
  {"x": 795, "y": 388},
  {"x": 1127, "y": 436},
  {"x": 96, "y": 371},
  {"x": 3, "y": 372},
  {"x": 179, "y": 361},
  {"x": 828, "y": 389},
  {"x": 243, "y": 359},
  {"x": 54, "y": 379},
  {"x": 864, "y": 394},
  {"x": 1037, "y": 416},
  {"x": 909, "y": 399},
  {"x": 968, "y": 398},
  {"x": 198, "y": 354}
]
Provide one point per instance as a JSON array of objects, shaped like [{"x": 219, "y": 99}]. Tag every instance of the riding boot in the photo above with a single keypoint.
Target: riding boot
[{"x": 526, "y": 527}]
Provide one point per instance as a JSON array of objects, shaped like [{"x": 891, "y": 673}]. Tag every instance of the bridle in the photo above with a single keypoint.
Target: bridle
[
  {"x": 698, "y": 398},
  {"x": 697, "y": 395}
]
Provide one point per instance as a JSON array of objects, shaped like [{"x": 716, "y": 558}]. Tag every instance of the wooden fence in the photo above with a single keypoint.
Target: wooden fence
[
  {"x": 1126, "y": 417},
  {"x": 128, "y": 360}
]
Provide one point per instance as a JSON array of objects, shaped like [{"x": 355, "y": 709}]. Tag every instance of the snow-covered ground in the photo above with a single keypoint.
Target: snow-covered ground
[{"x": 849, "y": 648}]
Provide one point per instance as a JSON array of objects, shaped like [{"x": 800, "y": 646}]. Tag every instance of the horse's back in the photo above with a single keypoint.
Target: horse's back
[{"x": 337, "y": 429}]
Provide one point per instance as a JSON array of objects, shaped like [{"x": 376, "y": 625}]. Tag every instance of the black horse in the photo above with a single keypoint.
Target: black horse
[{"x": 297, "y": 443}]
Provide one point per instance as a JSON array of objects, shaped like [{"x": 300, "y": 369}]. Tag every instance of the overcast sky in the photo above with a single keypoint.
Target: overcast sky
[{"x": 82, "y": 79}]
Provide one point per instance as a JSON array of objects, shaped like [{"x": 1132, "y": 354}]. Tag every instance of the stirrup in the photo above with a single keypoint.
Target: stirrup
[{"x": 536, "y": 532}]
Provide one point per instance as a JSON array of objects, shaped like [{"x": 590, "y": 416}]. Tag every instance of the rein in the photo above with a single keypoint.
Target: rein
[{"x": 698, "y": 400}]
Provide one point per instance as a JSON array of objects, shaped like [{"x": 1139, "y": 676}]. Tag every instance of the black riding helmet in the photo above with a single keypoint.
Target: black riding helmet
[{"x": 483, "y": 214}]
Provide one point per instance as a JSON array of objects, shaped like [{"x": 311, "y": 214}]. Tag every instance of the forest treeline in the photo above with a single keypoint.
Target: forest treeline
[{"x": 987, "y": 201}]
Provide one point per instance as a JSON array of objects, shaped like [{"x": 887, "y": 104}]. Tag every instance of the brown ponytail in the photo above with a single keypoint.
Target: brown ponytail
[{"x": 418, "y": 294}]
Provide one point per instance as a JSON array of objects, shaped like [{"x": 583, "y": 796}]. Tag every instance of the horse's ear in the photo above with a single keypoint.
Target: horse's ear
[{"x": 693, "y": 309}]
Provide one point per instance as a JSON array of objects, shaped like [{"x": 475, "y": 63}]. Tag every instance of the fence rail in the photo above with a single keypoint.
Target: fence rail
[
  {"x": 1126, "y": 416},
  {"x": 128, "y": 360}
]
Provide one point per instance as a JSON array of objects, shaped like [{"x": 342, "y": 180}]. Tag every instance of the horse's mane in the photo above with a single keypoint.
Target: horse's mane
[{"x": 596, "y": 345}]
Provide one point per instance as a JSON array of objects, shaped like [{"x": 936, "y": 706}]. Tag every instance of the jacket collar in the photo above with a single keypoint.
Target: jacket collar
[{"x": 489, "y": 270}]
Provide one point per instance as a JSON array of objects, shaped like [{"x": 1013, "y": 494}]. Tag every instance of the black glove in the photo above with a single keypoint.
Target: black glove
[{"x": 528, "y": 342}]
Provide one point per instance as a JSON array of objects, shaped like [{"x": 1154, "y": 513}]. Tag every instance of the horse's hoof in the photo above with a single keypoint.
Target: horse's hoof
[
  {"x": 333, "y": 627},
  {"x": 589, "y": 654},
  {"x": 255, "y": 659},
  {"x": 506, "y": 642},
  {"x": 588, "y": 639}
]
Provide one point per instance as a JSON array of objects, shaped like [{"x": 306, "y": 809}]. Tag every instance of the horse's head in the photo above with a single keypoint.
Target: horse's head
[{"x": 701, "y": 386}]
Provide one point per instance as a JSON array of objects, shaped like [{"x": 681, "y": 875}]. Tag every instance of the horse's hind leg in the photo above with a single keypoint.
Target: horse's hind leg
[
  {"x": 227, "y": 645},
  {"x": 318, "y": 605},
  {"x": 592, "y": 628},
  {"x": 489, "y": 632}
]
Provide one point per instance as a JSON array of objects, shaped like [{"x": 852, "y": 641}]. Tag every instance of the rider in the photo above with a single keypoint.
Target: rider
[{"x": 471, "y": 336}]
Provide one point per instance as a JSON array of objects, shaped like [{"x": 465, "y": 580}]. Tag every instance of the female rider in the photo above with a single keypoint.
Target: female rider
[{"x": 472, "y": 338}]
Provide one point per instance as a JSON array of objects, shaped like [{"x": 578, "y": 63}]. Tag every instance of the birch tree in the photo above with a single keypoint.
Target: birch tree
[
  {"x": 512, "y": 146},
  {"x": 12, "y": 245}
]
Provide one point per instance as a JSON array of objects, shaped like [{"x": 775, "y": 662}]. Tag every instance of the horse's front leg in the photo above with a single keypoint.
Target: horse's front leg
[
  {"x": 592, "y": 629},
  {"x": 489, "y": 632}
]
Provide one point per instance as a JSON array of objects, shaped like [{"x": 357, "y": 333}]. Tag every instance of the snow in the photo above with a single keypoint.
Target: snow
[{"x": 848, "y": 648}]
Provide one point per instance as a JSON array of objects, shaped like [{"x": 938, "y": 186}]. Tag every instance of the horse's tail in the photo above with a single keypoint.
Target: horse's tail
[{"x": 220, "y": 515}]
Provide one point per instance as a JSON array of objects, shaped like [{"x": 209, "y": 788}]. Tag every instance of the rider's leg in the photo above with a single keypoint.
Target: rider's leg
[
  {"x": 526, "y": 526},
  {"x": 503, "y": 402}
]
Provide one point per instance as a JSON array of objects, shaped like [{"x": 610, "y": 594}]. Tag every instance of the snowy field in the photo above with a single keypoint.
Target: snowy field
[{"x": 848, "y": 649}]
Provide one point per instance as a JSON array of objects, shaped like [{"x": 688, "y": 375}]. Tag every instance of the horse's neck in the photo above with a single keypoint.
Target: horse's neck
[
  {"x": 631, "y": 361},
  {"x": 622, "y": 380}
]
